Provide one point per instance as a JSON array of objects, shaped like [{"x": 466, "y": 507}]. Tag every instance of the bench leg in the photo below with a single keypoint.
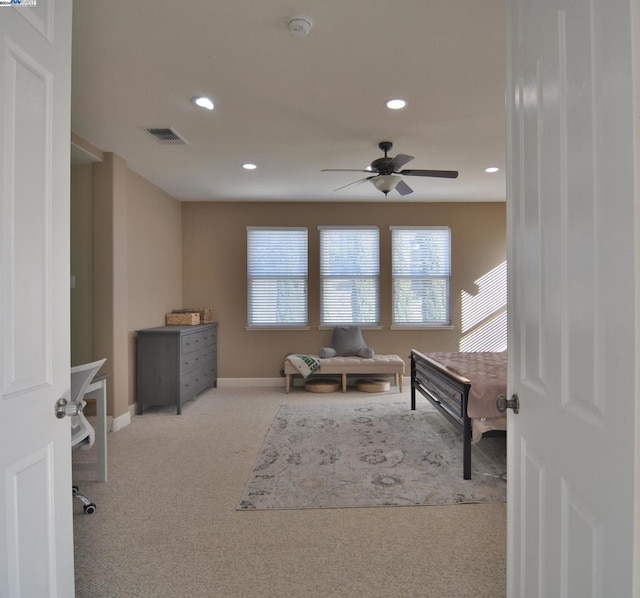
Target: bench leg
[
  {"x": 399, "y": 379},
  {"x": 344, "y": 383},
  {"x": 287, "y": 383}
]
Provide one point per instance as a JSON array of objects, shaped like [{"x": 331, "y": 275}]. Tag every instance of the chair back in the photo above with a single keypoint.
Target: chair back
[
  {"x": 81, "y": 377},
  {"x": 82, "y": 432}
]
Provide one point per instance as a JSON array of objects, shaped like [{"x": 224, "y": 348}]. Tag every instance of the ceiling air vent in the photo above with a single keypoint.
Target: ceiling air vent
[{"x": 166, "y": 135}]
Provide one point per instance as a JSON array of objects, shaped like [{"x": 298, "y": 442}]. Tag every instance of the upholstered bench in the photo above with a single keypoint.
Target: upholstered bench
[{"x": 379, "y": 365}]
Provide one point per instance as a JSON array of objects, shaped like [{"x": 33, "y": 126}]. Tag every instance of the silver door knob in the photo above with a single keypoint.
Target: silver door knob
[
  {"x": 70, "y": 408},
  {"x": 503, "y": 403}
]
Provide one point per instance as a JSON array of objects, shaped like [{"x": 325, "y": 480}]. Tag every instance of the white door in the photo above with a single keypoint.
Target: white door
[
  {"x": 572, "y": 299},
  {"x": 36, "y": 539}
]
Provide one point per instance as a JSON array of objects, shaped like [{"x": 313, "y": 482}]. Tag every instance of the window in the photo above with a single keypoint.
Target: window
[
  {"x": 277, "y": 277},
  {"x": 421, "y": 270},
  {"x": 349, "y": 276}
]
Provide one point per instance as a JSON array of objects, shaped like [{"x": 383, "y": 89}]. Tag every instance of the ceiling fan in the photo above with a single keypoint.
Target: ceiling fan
[{"x": 386, "y": 171}]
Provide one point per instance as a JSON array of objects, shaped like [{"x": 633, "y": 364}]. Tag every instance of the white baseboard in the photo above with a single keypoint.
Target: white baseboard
[
  {"x": 240, "y": 382},
  {"x": 123, "y": 420},
  {"x": 278, "y": 382}
]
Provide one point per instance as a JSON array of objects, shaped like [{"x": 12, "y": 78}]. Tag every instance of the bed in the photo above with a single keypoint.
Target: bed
[{"x": 464, "y": 387}]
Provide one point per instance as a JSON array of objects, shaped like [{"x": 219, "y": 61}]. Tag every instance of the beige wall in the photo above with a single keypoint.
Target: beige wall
[
  {"x": 126, "y": 252},
  {"x": 214, "y": 273},
  {"x": 82, "y": 264},
  {"x": 154, "y": 260}
]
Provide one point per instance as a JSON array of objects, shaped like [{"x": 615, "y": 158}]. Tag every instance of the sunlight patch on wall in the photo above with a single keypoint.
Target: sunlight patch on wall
[
  {"x": 490, "y": 336},
  {"x": 484, "y": 315}
]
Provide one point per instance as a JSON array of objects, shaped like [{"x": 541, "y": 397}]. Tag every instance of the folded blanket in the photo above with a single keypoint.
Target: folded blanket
[{"x": 304, "y": 364}]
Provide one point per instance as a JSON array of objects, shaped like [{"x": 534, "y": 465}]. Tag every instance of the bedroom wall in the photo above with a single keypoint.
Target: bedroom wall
[
  {"x": 154, "y": 260},
  {"x": 214, "y": 274},
  {"x": 81, "y": 264},
  {"x": 126, "y": 253}
]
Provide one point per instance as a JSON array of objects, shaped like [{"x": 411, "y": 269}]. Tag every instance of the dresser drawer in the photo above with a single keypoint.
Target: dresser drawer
[
  {"x": 193, "y": 361},
  {"x": 191, "y": 383},
  {"x": 195, "y": 341},
  {"x": 208, "y": 376},
  {"x": 209, "y": 355},
  {"x": 209, "y": 337}
]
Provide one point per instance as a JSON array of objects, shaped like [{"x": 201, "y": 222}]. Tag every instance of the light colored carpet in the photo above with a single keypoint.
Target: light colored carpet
[
  {"x": 370, "y": 454},
  {"x": 167, "y": 526}
]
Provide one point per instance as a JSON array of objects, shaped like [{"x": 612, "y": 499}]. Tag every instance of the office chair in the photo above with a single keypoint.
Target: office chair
[{"x": 82, "y": 433}]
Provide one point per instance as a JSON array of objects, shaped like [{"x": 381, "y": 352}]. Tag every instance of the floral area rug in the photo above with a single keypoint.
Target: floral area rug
[{"x": 370, "y": 454}]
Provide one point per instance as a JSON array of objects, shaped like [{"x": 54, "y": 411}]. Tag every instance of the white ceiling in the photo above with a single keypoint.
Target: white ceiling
[{"x": 295, "y": 105}]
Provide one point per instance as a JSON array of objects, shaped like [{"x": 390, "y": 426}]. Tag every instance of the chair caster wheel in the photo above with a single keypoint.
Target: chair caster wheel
[
  {"x": 75, "y": 489},
  {"x": 89, "y": 509}
]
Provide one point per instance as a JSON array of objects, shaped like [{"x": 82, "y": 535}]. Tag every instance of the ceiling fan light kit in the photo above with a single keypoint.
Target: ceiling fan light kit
[
  {"x": 387, "y": 174},
  {"x": 385, "y": 182}
]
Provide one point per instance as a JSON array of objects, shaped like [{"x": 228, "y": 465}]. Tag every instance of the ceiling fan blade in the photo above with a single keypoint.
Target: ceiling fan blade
[
  {"x": 403, "y": 188},
  {"x": 400, "y": 160},
  {"x": 445, "y": 174},
  {"x": 354, "y": 183}
]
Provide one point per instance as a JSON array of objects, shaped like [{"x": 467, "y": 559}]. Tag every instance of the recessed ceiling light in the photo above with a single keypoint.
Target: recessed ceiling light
[
  {"x": 491, "y": 169},
  {"x": 249, "y": 166},
  {"x": 203, "y": 102},
  {"x": 396, "y": 104}
]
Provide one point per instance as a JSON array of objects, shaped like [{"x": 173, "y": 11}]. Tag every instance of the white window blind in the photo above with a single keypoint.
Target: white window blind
[
  {"x": 421, "y": 271},
  {"x": 277, "y": 277},
  {"x": 349, "y": 275}
]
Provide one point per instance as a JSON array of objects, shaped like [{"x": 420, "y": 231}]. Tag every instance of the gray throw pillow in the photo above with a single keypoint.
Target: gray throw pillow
[
  {"x": 348, "y": 340},
  {"x": 367, "y": 352}
]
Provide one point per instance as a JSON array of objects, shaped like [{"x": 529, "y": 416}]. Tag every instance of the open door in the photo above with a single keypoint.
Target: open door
[
  {"x": 36, "y": 527},
  {"x": 572, "y": 240}
]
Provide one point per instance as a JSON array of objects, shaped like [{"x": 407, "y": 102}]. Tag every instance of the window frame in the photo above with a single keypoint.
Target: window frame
[
  {"x": 325, "y": 322},
  {"x": 445, "y": 323},
  {"x": 252, "y": 312}
]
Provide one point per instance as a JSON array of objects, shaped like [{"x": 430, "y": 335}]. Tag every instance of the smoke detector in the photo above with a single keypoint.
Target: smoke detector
[{"x": 300, "y": 26}]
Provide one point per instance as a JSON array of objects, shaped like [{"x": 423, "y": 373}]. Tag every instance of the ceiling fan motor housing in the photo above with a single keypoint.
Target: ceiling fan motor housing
[{"x": 382, "y": 165}]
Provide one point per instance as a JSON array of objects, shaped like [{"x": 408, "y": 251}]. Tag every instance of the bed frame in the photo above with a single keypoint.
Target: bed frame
[{"x": 448, "y": 392}]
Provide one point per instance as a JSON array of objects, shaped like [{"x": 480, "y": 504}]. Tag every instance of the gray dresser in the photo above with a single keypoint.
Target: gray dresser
[{"x": 174, "y": 364}]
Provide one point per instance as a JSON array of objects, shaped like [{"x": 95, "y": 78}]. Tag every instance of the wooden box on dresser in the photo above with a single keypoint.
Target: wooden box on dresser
[{"x": 174, "y": 364}]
